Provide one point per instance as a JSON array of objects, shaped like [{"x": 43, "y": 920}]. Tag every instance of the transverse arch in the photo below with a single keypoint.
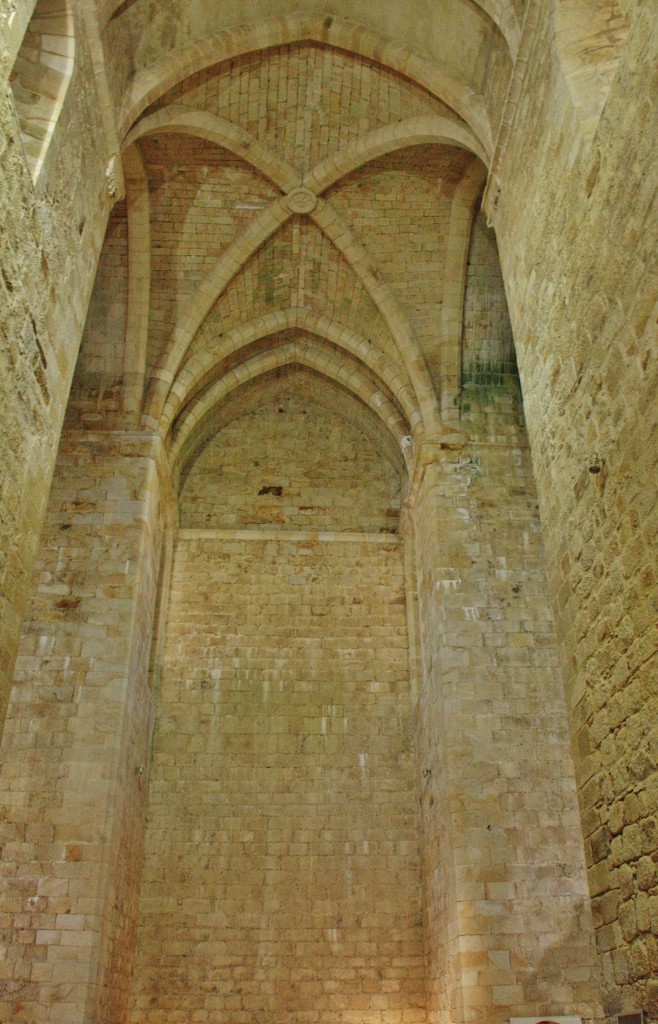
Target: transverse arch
[
  {"x": 151, "y": 83},
  {"x": 344, "y": 372},
  {"x": 249, "y": 397},
  {"x": 195, "y": 374}
]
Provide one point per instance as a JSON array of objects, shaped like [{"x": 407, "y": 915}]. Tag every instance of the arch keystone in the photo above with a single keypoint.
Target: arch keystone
[{"x": 301, "y": 200}]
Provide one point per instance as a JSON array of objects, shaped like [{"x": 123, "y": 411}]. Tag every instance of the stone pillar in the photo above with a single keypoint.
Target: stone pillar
[
  {"x": 77, "y": 740},
  {"x": 508, "y": 920}
]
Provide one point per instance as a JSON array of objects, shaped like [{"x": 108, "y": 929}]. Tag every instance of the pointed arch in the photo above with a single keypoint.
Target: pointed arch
[
  {"x": 246, "y": 399},
  {"x": 204, "y": 125},
  {"x": 344, "y": 372},
  {"x": 151, "y": 83},
  {"x": 228, "y": 265},
  {"x": 414, "y": 131},
  {"x": 194, "y": 375}
]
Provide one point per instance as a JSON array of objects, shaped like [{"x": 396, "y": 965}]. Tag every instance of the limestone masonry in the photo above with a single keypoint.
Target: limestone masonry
[{"x": 328, "y": 471}]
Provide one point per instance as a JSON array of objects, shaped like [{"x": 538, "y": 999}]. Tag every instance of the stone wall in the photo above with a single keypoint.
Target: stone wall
[
  {"x": 52, "y": 232},
  {"x": 282, "y": 871},
  {"x": 315, "y": 471},
  {"x": 76, "y": 744},
  {"x": 576, "y": 225},
  {"x": 488, "y": 356},
  {"x": 282, "y": 874},
  {"x": 205, "y": 263},
  {"x": 508, "y": 918}
]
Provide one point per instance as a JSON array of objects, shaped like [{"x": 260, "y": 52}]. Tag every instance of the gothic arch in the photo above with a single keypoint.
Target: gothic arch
[
  {"x": 347, "y": 374},
  {"x": 195, "y": 375},
  {"x": 151, "y": 83},
  {"x": 233, "y": 259},
  {"x": 247, "y": 398}
]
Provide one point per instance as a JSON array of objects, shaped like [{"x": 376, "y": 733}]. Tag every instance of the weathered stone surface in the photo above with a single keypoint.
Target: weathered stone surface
[
  {"x": 78, "y": 730},
  {"x": 304, "y": 227},
  {"x": 52, "y": 233},
  {"x": 282, "y": 870},
  {"x": 578, "y": 258}
]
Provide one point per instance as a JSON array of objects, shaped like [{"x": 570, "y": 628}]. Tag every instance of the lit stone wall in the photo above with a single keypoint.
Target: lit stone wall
[
  {"x": 509, "y": 924},
  {"x": 508, "y": 919},
  {"x": 314, "y": 472},
  {"x": 578, "y": 254},
  {"x": 76, "y": 743},
  {"x": 50, "y": 240},
  {"x": 282, "y": 871}
]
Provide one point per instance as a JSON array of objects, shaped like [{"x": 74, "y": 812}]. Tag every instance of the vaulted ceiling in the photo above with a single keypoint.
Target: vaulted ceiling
[{"x": 300, "y": 191}]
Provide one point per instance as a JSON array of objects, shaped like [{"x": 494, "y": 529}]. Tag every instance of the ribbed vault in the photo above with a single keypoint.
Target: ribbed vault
[
  {"x": 288, "y": 154},
  {"x": 291, "y": 599}
]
